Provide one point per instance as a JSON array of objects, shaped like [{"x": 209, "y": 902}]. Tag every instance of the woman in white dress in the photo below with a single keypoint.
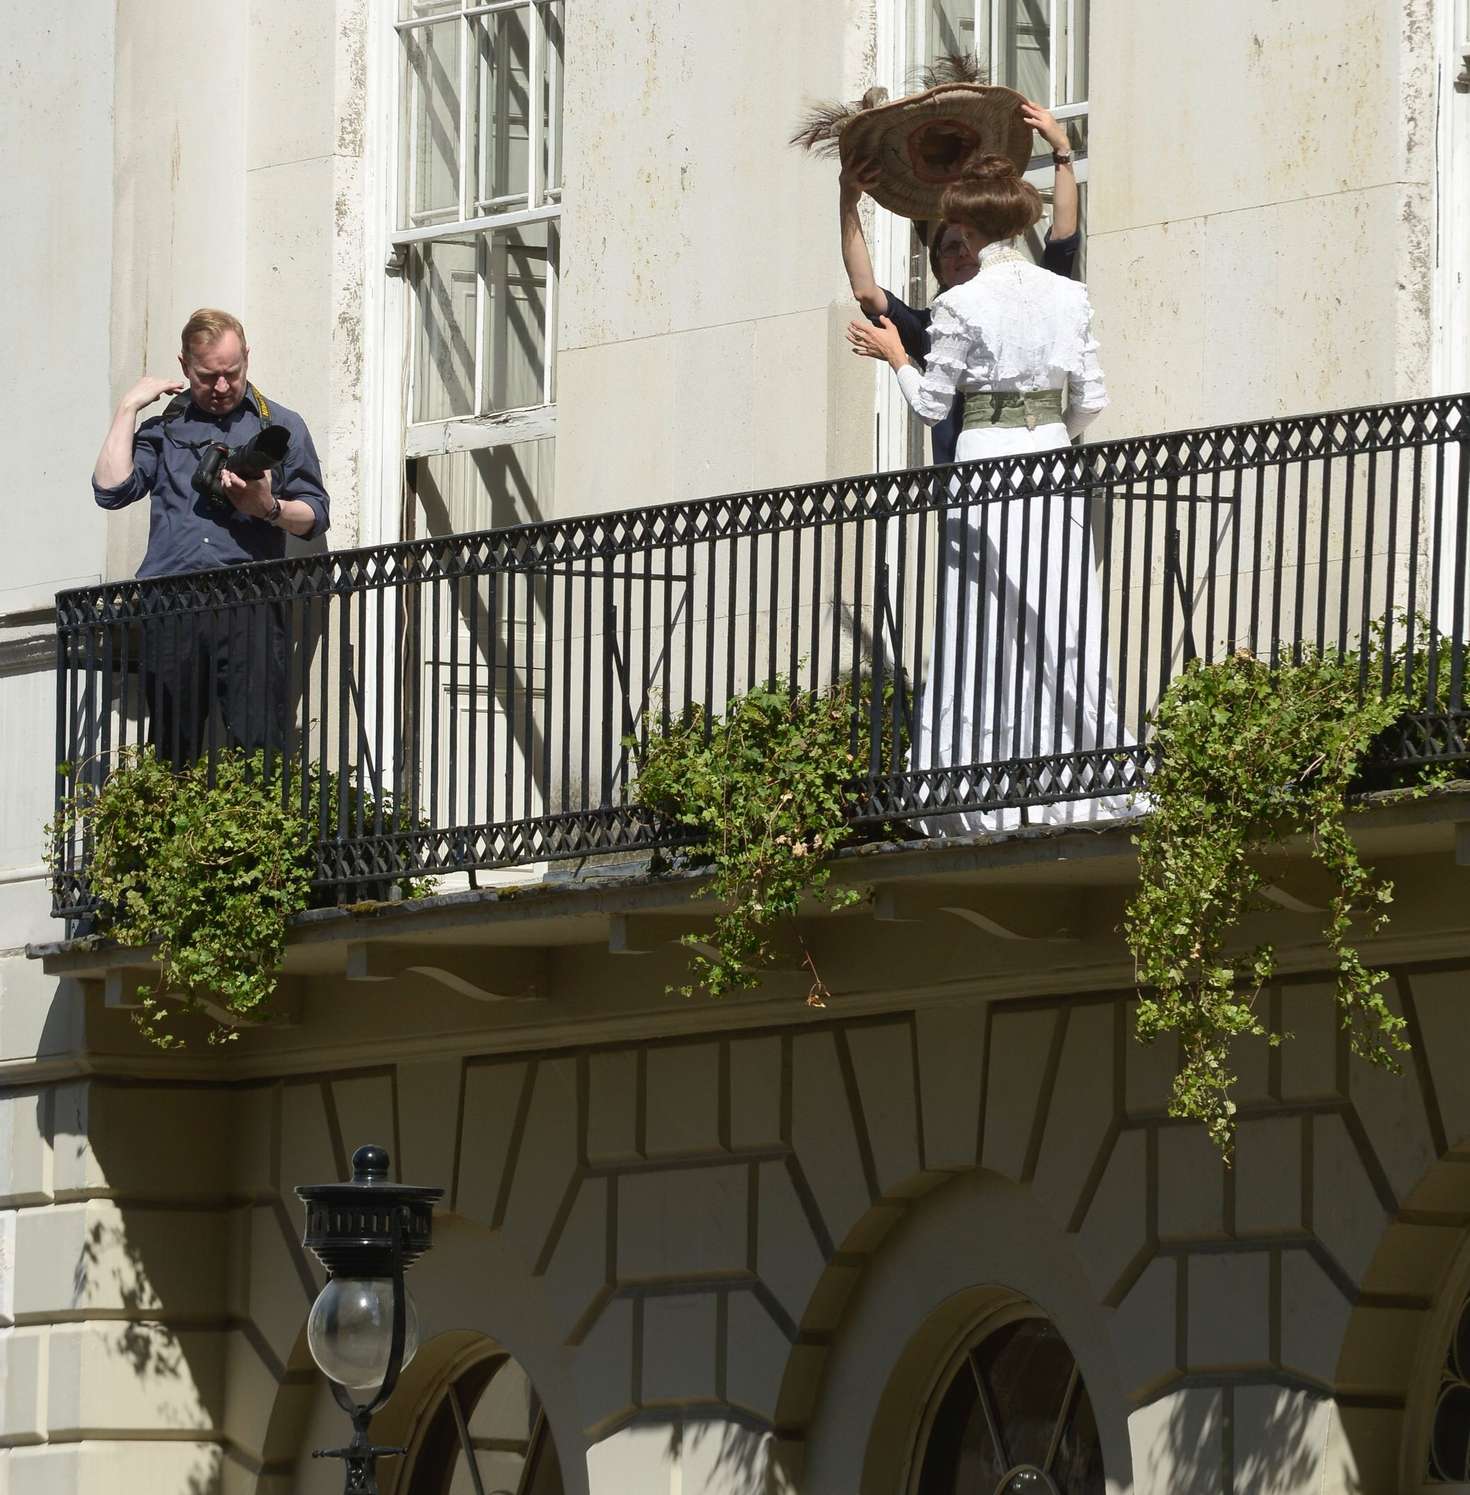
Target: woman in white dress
[{"x": 1016, "y": 672}]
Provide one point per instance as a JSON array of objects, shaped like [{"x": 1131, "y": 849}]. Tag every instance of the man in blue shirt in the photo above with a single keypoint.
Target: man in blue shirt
[{"x": 235, "y": 656}]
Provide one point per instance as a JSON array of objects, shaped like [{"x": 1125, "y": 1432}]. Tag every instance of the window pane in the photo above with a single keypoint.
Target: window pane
[
  {"x": 546, "y": 1468},
  {"x": 509, "y": 1441},
  {"x": 445, "y": 294},
  {"x": 500, "y": 1427},
  {"x": 515, "y": 327},
  {"x": 490, "y": 488},
  {"x": 1077, "y": 36},
  {"x": 430, "y": 188},
  {"x": 503, "y": 48},
  {"x": 1026, "y": 1367},
  {"x": 961, "y": 1456},
  {"x": 941, "y": 27},
  {"x": 506, "y": 1412},
  {"x": 1023, "y": 47},
  {"x": 1078, "y": 1469},
  {"x": 435, "y": 1466},
  {"x": 409, "y": 10},
  {"x": 552, "y": 94},
  {"x": 510, "y": 270}
]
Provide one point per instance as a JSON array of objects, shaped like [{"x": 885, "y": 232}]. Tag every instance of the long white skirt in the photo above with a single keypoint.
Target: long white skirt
[{"x": 1017, "y": 669}]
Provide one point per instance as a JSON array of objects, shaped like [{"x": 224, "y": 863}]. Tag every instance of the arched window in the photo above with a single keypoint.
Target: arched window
[
  {"x": 1011, "y": 1417},
  {"x": 486, "y": 1435},
  {"x": 1449, "y": 1431}
]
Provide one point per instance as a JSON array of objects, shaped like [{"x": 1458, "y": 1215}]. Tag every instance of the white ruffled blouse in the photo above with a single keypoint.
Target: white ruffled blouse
[{"x": 1013, "y": 326}]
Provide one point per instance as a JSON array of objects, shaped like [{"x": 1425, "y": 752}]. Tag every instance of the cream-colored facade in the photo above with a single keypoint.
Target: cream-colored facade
[{"x": 736, "y": 1247}]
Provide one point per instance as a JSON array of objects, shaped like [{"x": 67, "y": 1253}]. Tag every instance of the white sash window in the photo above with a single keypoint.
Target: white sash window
[{"x": 477, "y": 226}]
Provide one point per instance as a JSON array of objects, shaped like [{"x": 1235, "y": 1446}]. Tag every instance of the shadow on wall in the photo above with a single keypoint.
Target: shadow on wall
[
  {"x": 713, "y": 1453},
  {"x": 1269, "y": 1440},
  {"x": 141, "y": 1275},
  {"x": 110, "y": 1268}
]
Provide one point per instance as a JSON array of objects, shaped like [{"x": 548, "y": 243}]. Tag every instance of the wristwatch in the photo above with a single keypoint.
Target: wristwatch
[
  {"x": 274, "y": 517},
  {"x": 1061, "y": 158}
]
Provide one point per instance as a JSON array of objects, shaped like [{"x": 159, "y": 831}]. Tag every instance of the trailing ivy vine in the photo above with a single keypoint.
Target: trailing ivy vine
[
  {"x": 210, "y": 866},
  {"x": 1246, "y": 755},
  {"x": 768, "y": 790}
]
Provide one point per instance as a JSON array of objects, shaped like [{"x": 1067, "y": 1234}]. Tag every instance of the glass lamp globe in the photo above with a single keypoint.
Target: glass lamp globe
[
  {"x": 350, "y": 1330},
  {"x": 1027, "y": 1480}
]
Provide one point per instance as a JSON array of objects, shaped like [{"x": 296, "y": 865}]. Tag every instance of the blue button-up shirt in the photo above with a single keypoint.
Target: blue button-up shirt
[{"x": 189, "y": 532}]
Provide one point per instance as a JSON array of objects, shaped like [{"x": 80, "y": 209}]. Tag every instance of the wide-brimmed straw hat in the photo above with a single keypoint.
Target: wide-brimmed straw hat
[{"x": 920, "y": 144}]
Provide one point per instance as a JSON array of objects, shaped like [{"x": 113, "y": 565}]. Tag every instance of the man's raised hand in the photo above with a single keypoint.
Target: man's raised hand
[{"x": 149, "y": 388}]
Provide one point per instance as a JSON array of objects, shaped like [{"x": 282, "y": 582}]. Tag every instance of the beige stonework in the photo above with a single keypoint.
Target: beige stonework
[
  {"x": 747, "y": 1231},
  {"x": 732, "y": 1247}
]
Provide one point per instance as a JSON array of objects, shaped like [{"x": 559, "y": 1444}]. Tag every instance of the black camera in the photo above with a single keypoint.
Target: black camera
[{"x": 252, "y": 459}]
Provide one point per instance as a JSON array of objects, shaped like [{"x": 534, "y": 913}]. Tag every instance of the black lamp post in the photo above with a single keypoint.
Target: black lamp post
[{"x": 363, "y": 1328}]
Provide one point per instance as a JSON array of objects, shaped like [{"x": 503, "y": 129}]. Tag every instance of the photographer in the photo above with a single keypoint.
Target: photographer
[{"x": 237, "y": 655}]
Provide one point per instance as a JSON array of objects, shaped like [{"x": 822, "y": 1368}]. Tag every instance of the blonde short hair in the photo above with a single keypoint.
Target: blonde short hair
[{"x": 207, "y": 326}]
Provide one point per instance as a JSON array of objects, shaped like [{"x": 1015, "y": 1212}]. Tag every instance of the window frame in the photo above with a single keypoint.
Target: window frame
[
  {"x": 434, "y": 1445},
  {"x": 1040, "y": 172},
  {"x": 960, "y": 1358},
  {"x": 540, "y": 203},
  {"x": 1452, "y": 1376},
  {"x": 902, "y": 438},
  {"x": 1427, "y": 1377}
]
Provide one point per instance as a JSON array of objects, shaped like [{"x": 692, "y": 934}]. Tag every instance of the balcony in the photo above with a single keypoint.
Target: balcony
[{"x": 488, "y": 691}]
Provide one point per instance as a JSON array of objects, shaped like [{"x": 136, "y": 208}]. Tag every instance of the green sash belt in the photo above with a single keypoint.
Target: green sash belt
[{"x": 1010, "y": 408}]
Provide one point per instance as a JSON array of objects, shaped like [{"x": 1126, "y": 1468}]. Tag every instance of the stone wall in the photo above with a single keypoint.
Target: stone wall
[
  {"x": 712, "y": 1251},
  {"x": 238, "y": 182},
  {"x": 1260, "y": 232},
  {"x": 700, "y": 335}
]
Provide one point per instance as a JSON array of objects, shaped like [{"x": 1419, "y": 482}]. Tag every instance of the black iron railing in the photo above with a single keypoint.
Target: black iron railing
[{"x": 477, "y": 701}]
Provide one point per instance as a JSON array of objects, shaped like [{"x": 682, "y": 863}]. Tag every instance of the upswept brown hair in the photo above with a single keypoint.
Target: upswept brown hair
[
  {"x": 207, "y": 326},
  {"x": 991, "y": 198}
]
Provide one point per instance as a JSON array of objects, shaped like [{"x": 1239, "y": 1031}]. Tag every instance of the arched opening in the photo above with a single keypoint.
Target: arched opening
[
  {"x": 1448, "y": 1458},
  {"x": 480, "y": 1429},
  {"x": 1436, "y": 1452},
  {"x": 1407, "y": 1341},
  {"x": 975, "y": 1277},
  {"x": 1010, "y": 1415}
]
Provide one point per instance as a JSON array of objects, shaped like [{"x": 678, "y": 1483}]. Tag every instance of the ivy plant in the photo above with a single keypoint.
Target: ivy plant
[
  {"x": 1248, "y": 754},
  {"x": 209, "y": 866},
  {"x": 768, "y": 789}
]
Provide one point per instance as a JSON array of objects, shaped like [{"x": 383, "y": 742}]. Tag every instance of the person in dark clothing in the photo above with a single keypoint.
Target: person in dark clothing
[
  {"x": 950, "y": 259},
  {"x": 236, "y": 654}
]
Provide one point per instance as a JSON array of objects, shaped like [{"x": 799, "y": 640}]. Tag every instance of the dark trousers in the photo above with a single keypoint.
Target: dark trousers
[{"x": 234, "y": 659}]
